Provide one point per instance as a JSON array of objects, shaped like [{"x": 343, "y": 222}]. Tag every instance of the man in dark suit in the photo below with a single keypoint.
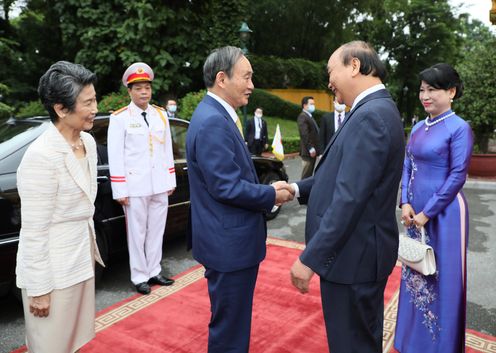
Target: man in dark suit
[
  {"x": 228, "y": 226},
  {"x": 256, "y": 133},
  {"x": 351, "y": 232},
  {"x": 309, "y": 136},
  {"x": 330, "y": 123}
]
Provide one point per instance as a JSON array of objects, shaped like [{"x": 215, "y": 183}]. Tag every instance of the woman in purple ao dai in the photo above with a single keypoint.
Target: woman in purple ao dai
[{"x": 431, "y": 312}]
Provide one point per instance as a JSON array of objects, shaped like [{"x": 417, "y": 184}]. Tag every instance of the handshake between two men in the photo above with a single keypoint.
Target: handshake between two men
[
  {"x": 300, "y": 273},
  {"x": 284, "y": 192}
]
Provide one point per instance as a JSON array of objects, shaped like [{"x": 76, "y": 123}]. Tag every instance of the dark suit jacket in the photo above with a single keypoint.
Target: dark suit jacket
[
  {"x": 351, "y": 231},
  {"x": 250, "y": 132},
  {"x": 327, "y": 128},
  {"x": 309, "y": 134},
  {"x": 228, "y": 226}
]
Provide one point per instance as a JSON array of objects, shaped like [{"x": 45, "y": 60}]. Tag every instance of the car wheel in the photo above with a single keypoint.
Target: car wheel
[
  {"x": 101, "y": 242},
  {"x": 268, "y": 179}
]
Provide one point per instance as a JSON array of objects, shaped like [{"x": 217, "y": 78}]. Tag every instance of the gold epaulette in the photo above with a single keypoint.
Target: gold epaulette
[
  {"x": 158, "y": 107},
  {"x": 120, "y": 110}
]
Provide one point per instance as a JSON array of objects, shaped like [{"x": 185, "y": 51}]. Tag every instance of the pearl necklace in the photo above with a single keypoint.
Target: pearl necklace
[
  {"x": 429, "y": 124},
  {"x": 76, "y": 146}
]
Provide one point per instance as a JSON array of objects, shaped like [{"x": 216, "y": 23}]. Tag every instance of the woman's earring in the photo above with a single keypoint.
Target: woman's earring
[{"x": 451, "y": 100}]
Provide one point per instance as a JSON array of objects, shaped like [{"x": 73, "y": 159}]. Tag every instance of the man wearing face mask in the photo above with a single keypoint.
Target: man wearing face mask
[
  {"x": 330, "y": 123},
  {"x": 256, "y": 133},
  {"x": 309, "y": 137},
  {"x": 171, "y": 109}
]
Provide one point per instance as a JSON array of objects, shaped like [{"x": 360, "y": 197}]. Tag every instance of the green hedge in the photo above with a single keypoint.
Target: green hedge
[
  {"x": 189, "y": 102},
  {"x": 5, "y": 111},
  {"x": 33, "y": 108},
  {"x": 291, "y": 144},
  {"x": 113, "y": 101},
  {"x": 274, "y": 72},
  {"x": 275, "y": 106}
]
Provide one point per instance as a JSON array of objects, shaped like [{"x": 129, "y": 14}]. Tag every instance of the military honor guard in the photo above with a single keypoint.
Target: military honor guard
[{"x": 142, "y": 175}]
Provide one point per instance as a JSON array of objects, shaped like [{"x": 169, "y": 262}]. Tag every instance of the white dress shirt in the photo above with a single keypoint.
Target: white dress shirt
[
  {"x": 366, "y": 93},
  {"x": 258, "y": 127},
  {"x": 230, "y": 110},
  {"x": 337, "y": 115}
]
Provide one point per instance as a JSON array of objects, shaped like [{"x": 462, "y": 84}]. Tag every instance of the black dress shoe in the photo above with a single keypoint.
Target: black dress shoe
[
  {"x": 161, "y": 280},
  {"x": 143, "y": 288}
]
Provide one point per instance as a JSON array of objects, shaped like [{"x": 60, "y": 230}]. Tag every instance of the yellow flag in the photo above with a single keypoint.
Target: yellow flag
[{"x": 277, "y": 147}]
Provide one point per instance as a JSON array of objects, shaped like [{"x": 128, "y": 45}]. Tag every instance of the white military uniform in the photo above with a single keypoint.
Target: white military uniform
[{"x": 142, "y": 168}]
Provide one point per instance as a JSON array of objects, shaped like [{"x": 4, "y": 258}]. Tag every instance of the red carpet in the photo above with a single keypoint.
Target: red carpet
[{"x": 174, "y": 319}]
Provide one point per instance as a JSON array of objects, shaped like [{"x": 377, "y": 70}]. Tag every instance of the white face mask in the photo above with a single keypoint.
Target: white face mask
[
  {"x": 258, "y": 115},
  {"x": 339, "y": 107},
  {"x": 172, "y": 108},
  {"x": 311, "y": 108}
]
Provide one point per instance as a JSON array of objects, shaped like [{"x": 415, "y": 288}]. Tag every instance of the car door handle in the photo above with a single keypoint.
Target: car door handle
[{"x": 102, "y": 179}]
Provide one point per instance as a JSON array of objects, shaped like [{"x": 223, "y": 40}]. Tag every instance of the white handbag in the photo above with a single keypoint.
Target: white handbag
[{"x": 417, "y": 254}]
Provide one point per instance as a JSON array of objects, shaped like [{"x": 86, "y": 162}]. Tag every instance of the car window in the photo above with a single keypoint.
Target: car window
[
  {"x": 99, "y": 131},
  {"x": 178, "y": 133},
  {"x": 16, "y": 135}
]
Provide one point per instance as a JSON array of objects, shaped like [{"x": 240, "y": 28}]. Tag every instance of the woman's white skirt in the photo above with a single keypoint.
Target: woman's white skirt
[{"x": 70, "y": 323}]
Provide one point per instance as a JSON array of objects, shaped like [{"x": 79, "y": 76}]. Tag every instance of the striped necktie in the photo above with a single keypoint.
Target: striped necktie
[{"x": 240, "y": 128}]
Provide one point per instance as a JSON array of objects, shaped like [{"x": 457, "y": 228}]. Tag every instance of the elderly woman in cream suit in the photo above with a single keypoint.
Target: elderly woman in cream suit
[{"x": 57, "y": 186}]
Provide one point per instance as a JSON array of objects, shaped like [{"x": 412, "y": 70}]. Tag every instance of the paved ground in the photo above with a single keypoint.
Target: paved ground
[{"x": 481, "y": 311}]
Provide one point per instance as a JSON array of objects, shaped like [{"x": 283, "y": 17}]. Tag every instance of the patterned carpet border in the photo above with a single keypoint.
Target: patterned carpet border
[{"x": 113, "y": 316}]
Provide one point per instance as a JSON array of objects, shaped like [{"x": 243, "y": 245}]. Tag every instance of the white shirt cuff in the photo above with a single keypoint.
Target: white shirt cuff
[{"x": 297, "y": 189}]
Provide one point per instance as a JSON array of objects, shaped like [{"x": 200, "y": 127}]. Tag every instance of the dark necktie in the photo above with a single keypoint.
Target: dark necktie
[
  {"x": 340, "y": 120},
  {"x": 144, "y": 117}
]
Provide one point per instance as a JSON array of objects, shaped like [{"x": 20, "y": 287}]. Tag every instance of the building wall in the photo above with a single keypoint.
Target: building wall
[
  {"x": 323, "y": 99},
  {"x": 492, "y": 13}
]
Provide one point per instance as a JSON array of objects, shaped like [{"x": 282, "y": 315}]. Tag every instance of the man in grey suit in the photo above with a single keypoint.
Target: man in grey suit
[
  {"x": 330, "y": 123},
  {"x": 351, "y": 232},
  {"x": 309, "y": 136}
]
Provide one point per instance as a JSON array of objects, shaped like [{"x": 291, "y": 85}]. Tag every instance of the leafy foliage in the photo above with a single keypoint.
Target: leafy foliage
[
  {"x": 114, "y": 101},
  {"x": 189, "y": 102},
  {"x": 479, "y": 98},
  {"x": 274, "y": 72},
  {"x": 302, "y": 28},
  {"x": 413, "y": 35},
  {"x": 275, "y": 106},
  {"x": 5, "y": 110},
  {"x": 33, "y": 108},
  {"x": 173, "y": 37}
]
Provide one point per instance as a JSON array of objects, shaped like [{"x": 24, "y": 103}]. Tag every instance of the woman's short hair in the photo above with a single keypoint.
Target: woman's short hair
[
  {"x": 62, "y": 84},
  {"x": 443, "y": 76},
  {"x": 370, "y": 63},
  {"x": 220, "y": 59}
]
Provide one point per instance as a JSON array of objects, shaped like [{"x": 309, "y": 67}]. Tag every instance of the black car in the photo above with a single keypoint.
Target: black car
[{"x": 15, "y": 137}]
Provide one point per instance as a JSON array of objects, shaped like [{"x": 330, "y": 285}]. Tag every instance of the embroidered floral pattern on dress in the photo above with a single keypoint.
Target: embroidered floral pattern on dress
[{"x": 421, "y": 288}]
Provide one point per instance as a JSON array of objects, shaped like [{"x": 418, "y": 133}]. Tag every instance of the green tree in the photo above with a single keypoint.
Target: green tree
[
  {"x": 412, "y": 35},
  {"x": 302, "y": 28},
  {"x": 173, "y": 37},
  {"x": 478, "y": 74}
]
